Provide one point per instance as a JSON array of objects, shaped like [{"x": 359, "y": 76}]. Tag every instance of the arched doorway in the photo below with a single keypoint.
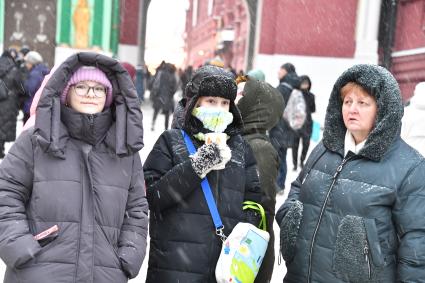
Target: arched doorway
[{"x": 252, "y": 7}]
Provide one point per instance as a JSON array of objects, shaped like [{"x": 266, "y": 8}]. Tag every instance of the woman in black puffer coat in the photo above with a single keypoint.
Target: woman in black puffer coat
[
  {"x": 77, "y": 168},
  {"x": 184, "y": 246},
  {"x": 356, "y": 211},
  {"x": 9, "y": 107}
]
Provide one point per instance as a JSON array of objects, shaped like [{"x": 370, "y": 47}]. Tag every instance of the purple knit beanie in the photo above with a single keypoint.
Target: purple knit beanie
[{"x": 89, "y": 73}]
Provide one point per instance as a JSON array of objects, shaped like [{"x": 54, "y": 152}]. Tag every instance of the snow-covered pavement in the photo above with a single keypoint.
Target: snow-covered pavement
[{"x": 150, "y": 138}]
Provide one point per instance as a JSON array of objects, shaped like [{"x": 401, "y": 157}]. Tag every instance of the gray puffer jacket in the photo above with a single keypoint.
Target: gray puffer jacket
[
  {"x": 358, "y": 218},
  {"x": 83, "y": 173}
]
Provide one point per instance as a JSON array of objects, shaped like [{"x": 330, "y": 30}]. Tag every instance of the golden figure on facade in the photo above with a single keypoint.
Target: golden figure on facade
[{"x": 81, "y": 20}]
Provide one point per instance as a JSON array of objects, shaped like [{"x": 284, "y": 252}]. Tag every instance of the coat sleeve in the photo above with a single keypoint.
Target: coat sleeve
[
  {"x": 253, "y": 190},
  {"x": 33, "y": 82},
  {"x": 167, "y": 183},
  {"x": 132, "y": 240},
  {"x": 17, "y": 245},
  {"x": 408, "y": 216}
]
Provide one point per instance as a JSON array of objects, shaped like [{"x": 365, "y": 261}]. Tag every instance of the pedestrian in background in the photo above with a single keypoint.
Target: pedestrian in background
[
  {"x": 261, "y": 107},
  {"x": 184, "y": 246},
  {"x": 356, "y": 211},
  {"x": 413, "y": 128},
  {"x": 162, "y": 93},
  {"x": 282, "y": 135},
  {"x": 307, "y": 129},
  {"x": 140, "y": 82},
  {"x": 11, "y": 91},
  {"x": 257, "y": 74},
  {"x": 77, "y": 178},
  {"x": 36, "y": 72}
]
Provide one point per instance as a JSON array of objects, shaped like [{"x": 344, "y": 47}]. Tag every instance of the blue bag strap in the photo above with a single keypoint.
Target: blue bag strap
[{"x": 206, "y": 189}]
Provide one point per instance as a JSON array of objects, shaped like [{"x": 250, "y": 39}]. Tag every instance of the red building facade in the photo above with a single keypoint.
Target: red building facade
[
  {"x": 408, "y": 56},
  {"x": 321, "y": 38},
  {"x": 217, "y": 26}
]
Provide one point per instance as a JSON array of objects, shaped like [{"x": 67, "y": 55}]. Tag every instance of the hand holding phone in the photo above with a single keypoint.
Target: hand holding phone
[{"x": 47, "y": 236}]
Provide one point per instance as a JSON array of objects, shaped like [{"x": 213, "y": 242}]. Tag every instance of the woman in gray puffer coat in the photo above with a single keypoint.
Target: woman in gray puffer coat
[
  {"x": 78, "y": 170},
  {"x": 356, "y": 211}
]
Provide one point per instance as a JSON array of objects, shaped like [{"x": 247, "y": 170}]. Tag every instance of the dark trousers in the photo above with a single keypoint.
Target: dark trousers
[
  {"x": 26, "y": 117},
  {"x": 1, "y": 149},
  {"x": 305, "y": 145},
  {"x": 281, "y": 176},
  {"x": 155, "y": 115}
]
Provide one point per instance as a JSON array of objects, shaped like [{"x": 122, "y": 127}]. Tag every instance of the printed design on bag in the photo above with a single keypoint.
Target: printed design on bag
[
  {"x": 227, "y": 248},
  {"x": 248, "y": 258}
]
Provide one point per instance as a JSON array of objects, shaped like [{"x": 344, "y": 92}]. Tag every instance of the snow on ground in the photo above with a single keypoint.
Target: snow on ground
[{"x": 150, "y": 138}]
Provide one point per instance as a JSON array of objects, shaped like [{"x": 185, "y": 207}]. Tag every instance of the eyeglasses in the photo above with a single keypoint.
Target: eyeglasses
[{"x": 83, "y": 89}]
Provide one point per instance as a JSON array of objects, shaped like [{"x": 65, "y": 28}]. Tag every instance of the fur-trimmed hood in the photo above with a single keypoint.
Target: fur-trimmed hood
[
  {"x": 124, "y": 136},
  {"x": 379, "y": 83}
]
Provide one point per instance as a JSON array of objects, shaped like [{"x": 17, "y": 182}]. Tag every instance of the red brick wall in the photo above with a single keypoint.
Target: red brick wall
[
  {"x": 409, "y": 34},
  {"x": 129, "y": 17},
  {"x": 313, "y": 28},
  {"x": 410, "y": 27}
]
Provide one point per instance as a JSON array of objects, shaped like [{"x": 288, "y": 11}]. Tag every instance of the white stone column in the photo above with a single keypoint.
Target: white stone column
[{"x": 367, "y": 28}]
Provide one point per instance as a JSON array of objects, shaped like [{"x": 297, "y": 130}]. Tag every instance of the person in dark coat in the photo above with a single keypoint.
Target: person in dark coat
[
  {"x": 356, "y": 211},
  {"x": 186, "y": 76},
  {"x": 36, "y": 72},
  {"x": 163, "y": 89},
  {"x": 77, "y": 170},
  {"x": 282, "y": 135},
  {"x": 261, "y": 107},
  {"x": 184, "y": 246},
  {"x": 9, "y": 107},
  {"x": 306, "y": 130}
]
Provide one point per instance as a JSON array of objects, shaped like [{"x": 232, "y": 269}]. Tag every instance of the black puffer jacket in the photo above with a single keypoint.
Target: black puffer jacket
[
  {"x": 9, "y": 108},
  {"x": 282, "y": 134},
  {"x": 358, "y": 218},
  {"x": 83, "y": 173},
  {"x": 164, "y": 87}
]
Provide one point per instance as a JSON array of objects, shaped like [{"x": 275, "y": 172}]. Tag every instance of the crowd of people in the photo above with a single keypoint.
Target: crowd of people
[
  {"x": 76, "y": 199},
  {"x": 21, "y": 73}
]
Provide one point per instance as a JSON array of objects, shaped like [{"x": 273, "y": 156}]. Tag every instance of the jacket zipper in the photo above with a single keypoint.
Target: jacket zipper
[
  {"x": 90, "y": 178},
  {"x": 322, "y": 210},
  {"x": 366, "y": 254},
  {"x": 217, "y": 188},
  {"x": 91, "y": 123}
]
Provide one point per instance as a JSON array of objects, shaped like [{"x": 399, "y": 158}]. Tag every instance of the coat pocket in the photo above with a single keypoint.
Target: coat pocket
[
  {"x": 289, "y": 228},
  {"x": 357, "y": 256}
]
